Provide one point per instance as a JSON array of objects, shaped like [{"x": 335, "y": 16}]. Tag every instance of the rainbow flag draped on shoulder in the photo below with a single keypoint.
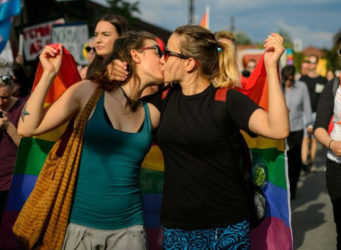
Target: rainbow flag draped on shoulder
[
  {"x": 275, "y": 231},
  {"x": 33, "y": 151}
]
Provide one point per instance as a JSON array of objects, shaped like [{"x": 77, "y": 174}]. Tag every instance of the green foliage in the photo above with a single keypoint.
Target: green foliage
[
  {"x": 287, "y": 41},
  {"x": 125, "y": 9},
  {"x": 243, "y": 39}
]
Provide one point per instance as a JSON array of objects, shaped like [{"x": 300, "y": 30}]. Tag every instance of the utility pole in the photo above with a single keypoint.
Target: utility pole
[
  {"x": 232, "y": 27},
  {"x": 191, "y": 12}
]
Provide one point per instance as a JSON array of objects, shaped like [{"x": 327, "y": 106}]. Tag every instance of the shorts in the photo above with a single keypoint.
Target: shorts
[
  {"x": 81, "y": 237},
  {"x": 235, "y": 236}
]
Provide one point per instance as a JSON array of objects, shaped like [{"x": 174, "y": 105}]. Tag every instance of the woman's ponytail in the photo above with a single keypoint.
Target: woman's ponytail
[{"x": 228, "y": 75}]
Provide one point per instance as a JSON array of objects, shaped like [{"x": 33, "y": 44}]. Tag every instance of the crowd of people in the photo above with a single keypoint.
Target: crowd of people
[{"x": 199, "y": 211}]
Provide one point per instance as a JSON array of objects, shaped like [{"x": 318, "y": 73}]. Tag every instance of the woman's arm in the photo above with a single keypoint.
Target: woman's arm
[
  {"x": 35, "y": 118},
  {"x": 274, "y": 123},
  {"x": 324, "y": 114}
]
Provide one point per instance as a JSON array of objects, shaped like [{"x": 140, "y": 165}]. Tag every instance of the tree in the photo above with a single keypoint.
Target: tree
[
  {"x": 287, "y": 41},
  {"x": 125, "y": 9},
  {"x": 243, "y": 39}
]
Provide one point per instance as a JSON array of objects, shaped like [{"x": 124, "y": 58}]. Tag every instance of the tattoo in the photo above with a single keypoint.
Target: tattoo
[{"x": 24, "y": 112}]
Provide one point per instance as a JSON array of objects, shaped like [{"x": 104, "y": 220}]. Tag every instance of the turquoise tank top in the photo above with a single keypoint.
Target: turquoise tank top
[{"x": 107, "y": 194}]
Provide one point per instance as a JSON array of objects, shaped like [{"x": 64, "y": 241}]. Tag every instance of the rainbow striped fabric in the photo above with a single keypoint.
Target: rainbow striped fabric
[
  {"x": 33, "y": 151},
  {"x": 275, "y": 231}
]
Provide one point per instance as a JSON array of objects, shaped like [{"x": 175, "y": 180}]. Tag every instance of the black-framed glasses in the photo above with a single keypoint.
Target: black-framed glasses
[
  {"x": 169, "y": 53},
  {"x": 6, "y": 78},
  {"x": 157, "y": 49},
  {"x": 339, "y": 51},
  {"x": 88, "y": 49},
  {"x": 292, "y": 80}
]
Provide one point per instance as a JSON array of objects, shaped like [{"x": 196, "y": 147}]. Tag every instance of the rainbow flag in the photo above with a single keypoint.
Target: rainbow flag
[
  {"x": 151, "y": 183},
  {"x": 33, "y": 151},
  {"x": 275, "y": 231},
  {"x": 205, "y": 20}
]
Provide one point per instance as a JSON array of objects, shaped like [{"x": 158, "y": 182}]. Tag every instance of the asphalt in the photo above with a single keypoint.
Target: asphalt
[{"x": 312, "y": 215}]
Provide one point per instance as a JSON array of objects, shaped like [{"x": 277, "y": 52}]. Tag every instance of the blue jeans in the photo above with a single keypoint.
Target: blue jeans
[{"x": 231, "y": 237}]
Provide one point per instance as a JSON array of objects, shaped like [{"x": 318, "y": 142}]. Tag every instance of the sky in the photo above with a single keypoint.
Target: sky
[{"x": 313, "y": 21}]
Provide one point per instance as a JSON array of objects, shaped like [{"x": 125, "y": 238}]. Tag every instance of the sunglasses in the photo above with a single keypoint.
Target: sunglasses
[
  {"x": 88, "y": 49},
  {"x": 6, "y": 79},
  {"x": 157, "y": 49},
  {"x": 169, "y": 53},
  {"x": 290, "y": 80}
]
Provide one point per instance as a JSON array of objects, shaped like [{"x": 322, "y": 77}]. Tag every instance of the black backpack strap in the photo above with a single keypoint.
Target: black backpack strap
[
  {"x": 237, "y": 140},
  {"x": 243, "y": 164}
]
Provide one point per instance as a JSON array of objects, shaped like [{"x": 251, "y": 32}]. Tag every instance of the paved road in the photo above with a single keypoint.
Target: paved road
[{"x": 312, "y": 216}]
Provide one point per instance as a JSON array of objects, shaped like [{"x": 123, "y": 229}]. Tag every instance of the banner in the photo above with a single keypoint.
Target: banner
[
  {"x": 73, "y": 37},
  {"x": 8, "y": 8},
  {"x": 36, "y": 37}
]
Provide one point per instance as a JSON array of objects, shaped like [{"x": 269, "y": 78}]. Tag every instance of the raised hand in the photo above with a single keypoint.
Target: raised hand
[
  {"x": 51, "y": 59},
  {"x": 117, "y": 70},
  {"x": 273, "y": 49}
]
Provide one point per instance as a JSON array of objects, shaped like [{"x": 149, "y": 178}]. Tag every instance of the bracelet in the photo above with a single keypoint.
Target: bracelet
[{"x": 330, "y": 143}]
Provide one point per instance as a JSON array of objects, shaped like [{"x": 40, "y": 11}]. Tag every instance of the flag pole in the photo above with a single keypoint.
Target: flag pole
[{"x": 208, "y": 16}]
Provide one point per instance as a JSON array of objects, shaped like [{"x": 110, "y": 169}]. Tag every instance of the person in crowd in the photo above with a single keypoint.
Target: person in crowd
[
  {"x": 22, "y": 84},
  {"x": 10, "y": 110},
  {"x": 90, "y": 49},
  {"x": 250, "y": 66},
  {"x": 329, "y": 105},
  {"x": 107, "y": 207},
  {"x": 315, "y": 84},
  {"x": 108, "y": 28},
  {"x": 330, "y": 75},
  {"x": 204, "y": 204},
  {"x": 304, "y": 67},
  {"x": 300, "y": 116}
]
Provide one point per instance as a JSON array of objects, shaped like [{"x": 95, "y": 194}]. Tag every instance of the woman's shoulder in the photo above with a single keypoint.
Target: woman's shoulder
[{"x": 81, "y": 91}]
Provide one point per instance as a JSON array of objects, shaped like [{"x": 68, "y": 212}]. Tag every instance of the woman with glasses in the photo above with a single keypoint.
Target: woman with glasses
[
  {"x": 300, "y": 117},
  {"x": 107, "y": 209},
  {"x": 10, "y": 110},
  {"x": 204, "y": 204},
  {"x": 89, "y": 53}
]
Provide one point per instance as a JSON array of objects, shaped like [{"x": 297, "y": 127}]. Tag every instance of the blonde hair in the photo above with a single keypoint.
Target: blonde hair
[
  {"x": 225, "y": 34},
  {"x": 217, "y": 60}
]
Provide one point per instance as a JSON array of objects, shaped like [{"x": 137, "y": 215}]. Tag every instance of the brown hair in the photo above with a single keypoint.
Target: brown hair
[
  {"x": 122, "y": 27},
  {"x": 217, "y": 60},
  {"x": 122, "y": 48}
]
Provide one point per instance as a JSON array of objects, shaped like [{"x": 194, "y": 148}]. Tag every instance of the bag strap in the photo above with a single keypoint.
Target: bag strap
[
  {"x": 84, "y": 116},
  {"x": 336, "y": 84},
  {"x": 236, "y": 140}
]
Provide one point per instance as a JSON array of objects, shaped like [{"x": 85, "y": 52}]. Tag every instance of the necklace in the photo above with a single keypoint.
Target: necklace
[
  {"x": 133, "y": 104},
  {"x": 125, "y": 95}
]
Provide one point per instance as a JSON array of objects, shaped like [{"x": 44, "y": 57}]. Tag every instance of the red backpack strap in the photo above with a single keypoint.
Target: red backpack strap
[{"x": 220, "y": 94}]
